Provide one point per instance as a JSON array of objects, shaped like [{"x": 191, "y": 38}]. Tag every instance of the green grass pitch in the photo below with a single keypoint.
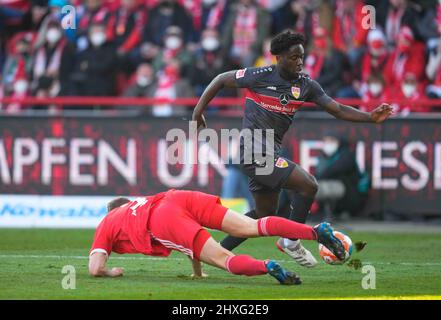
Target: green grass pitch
[{"x": 407, "y": 265}]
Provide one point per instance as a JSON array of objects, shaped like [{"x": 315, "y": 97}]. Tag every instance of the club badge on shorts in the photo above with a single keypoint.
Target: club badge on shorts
[
  {"x": 295, "y": 92},
  {"x": 281, "y": 163}
]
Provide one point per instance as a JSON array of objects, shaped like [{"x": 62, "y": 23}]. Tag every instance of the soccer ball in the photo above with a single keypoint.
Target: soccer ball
[{"x": 329, "y": 257}]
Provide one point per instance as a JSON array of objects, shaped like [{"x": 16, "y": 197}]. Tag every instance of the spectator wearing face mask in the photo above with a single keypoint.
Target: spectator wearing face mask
[
  {"x": 171, "y": 85},
  {"x": 408, "y": 57},
  {"x": 51, "y": 62},
  {"x": 374, "y": 89},
  {"x": 94, "y": 70},
  {"x": 245, "y": 30},
  {"x": 337, "y": 162},
  {"x": 174, "y": 49},
  {"x": 325, "y": 64},
  {"x": 93, "y": 12},
  {"x": 142, "y": 84},
  {"x": 412, "y": 91},
  {"x": 374, "y": 59},
  {"x": 55, "y": 12},
  {"x": 20, "y": 89},
  {"x": 165, "y": 14},
  {"x": 19, "y": 54},
  {"x": 207, "y": 61}
]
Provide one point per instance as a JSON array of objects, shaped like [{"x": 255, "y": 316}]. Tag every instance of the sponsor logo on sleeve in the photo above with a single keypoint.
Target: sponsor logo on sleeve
[{"x": 240, "y": 73}]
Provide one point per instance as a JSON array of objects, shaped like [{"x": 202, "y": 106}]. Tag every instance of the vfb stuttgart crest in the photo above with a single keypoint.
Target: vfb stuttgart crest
[
  {"x": 284, "y": 99},
  {"x": 295, "y": 92},
  {"x": 281, "y": 163}
]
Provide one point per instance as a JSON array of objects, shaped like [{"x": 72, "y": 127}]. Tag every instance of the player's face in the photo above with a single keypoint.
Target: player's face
[{"x": 291, "y": 62}]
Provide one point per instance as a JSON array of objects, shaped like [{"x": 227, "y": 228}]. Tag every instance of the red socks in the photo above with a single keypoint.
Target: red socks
[
  {"x": 268, "y": 226},
  {"x": 281, "y": 227},
  {"x": 245, "y": 265}
]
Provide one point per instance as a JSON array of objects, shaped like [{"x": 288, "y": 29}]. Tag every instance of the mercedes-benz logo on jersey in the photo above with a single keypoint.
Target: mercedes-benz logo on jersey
[{"x": 284, "y": 99}]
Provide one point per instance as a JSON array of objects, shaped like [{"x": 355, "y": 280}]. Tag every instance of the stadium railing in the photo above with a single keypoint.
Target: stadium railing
[{"x": 75, "y": 101}]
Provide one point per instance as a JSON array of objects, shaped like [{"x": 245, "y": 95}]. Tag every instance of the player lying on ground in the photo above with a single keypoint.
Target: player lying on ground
[
  {"x": 174, "y": 220},
  {"x": 273, "y": 96}
]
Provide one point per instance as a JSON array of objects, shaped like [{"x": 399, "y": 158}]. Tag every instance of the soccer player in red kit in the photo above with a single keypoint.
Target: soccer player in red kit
[{"x": 175, "y": 220}]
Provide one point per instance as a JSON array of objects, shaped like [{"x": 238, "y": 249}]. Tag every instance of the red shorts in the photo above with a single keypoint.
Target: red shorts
[{"x": 178, "y": 219}]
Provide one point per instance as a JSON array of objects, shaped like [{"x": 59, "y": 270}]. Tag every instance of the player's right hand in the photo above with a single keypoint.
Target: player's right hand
[
  {"x": 117, "y": 272},
  {"x": 200, "y": 119},
  {"x": 382, "y": 112}
]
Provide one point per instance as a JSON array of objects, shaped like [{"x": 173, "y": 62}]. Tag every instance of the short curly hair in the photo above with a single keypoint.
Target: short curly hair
[
  {"x": 117, "y": 202},
  {"x": 285, "y": 40}
]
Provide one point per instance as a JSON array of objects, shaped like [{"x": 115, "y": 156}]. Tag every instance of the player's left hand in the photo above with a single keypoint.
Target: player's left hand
[{"x": 382, "y": 112}]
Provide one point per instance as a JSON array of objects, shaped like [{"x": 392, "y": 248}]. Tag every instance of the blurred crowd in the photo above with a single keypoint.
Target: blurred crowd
[{"x": 174, "y": 48}]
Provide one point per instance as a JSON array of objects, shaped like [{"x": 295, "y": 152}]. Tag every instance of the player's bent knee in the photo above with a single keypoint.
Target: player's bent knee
[
  {"x": 310, "y": 188},
  {"x": 314, "y": 187}
]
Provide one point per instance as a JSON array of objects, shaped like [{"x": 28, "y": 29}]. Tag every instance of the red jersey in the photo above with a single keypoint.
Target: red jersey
[{"x": 124, "y": 230}]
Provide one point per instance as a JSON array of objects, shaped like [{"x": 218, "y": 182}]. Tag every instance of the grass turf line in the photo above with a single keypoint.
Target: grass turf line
[{"x": 407, "y": 267}]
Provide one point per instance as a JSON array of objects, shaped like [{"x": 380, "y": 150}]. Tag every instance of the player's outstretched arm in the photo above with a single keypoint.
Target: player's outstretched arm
[
  {"x": 348, "y": 113},
  {"x": 97, "y": 266},
  {"x": 223, "y": 80}
]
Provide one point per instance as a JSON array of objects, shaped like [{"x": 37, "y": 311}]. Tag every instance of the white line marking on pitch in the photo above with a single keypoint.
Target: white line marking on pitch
[{"x": 182, "y": 259}]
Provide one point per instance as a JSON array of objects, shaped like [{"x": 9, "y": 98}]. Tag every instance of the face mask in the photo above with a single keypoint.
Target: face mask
[
  {"x": 53, "y": 35},
  {"x": 408, "y": 89},
  {"x": 375, "y": 88},
  {"x": 98, "y": 38},
  {"x": 329, "y": 148},
  {"x": 143, "y": 81},
  {"x": 20, "y": 86},
  {"x": 210, "y": 44},
  {"x": 173, "y": 43}
]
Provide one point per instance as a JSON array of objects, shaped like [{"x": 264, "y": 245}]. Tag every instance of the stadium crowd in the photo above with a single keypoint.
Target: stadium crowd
[{"x": 174, "y": 48}]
